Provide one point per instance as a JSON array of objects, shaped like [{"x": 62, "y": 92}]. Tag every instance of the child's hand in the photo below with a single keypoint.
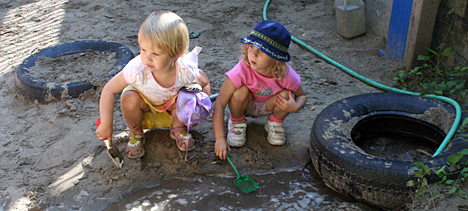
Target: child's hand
[
  {"x": 221, "y": 148},
  {"x": 287, "y": 105},
  {"x": 102, "y": 131}
]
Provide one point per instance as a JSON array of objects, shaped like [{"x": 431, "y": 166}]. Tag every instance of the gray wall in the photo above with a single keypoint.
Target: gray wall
[{"x": 378, "y": 14}]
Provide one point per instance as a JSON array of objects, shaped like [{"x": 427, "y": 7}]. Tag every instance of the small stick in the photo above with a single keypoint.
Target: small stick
[
  {"x": 191, "y": 157},
  {"x": 424, "y": 152}
]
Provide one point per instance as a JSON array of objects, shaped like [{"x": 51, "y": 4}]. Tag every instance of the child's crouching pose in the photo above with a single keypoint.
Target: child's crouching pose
[
  {"x": 150, "y": 84},
  {"x": 261, "y": 84}
]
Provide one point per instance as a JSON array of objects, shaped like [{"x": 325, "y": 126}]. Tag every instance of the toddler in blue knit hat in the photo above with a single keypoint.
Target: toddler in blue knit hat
[{"x": 261, "y": 84}]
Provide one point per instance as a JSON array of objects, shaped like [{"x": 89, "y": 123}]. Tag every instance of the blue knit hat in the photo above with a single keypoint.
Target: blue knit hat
[{"x": 271, "y": 38}]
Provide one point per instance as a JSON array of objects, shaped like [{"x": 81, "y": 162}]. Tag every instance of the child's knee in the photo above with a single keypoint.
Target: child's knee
[
  {"x": 241, "y": 94},
  {"x": 285, "y": 94},
  {"x": 129, "y": 95},
  {"x": 130, "y": 99}
]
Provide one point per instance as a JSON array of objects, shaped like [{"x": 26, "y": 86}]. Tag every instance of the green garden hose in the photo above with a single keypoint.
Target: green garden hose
[{"x": 383, "y": 87}]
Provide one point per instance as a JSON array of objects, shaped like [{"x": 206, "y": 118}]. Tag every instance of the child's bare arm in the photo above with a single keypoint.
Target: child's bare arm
[
  {"x": 204, "y": 82},
  {"x": 301, "y": 98},
  {"x": 224, "y": 96},
  {"x": 106, "y": 105}
]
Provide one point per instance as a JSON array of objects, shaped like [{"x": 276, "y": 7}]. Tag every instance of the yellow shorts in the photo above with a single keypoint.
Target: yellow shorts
[{"x": 158, "y": 116}]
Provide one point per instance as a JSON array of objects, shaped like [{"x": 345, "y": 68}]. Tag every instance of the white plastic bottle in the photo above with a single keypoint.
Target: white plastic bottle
[{"x": 350, "y": 17}]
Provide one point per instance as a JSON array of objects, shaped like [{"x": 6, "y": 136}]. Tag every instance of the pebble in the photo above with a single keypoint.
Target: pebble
[{"x": 146, "y": 203}]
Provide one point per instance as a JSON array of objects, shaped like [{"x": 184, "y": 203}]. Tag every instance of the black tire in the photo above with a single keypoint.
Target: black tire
[
  {"x": 352, "y": 172},
  {"x": 32, "y": 88}
]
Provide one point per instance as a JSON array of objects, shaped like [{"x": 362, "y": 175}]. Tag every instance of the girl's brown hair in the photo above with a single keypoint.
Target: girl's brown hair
[{"x": 279, "y": 70}]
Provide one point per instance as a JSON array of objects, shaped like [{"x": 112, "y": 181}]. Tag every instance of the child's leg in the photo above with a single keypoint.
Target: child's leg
[
  {"x": 133, "y": 107},
  {"x": 274, "y": 125},
  {"x": 239, "y": 104},
  {"x": 179, "y": 132}
]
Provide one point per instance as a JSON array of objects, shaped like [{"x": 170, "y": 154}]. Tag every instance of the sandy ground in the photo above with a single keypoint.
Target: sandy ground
[{"x": 50, "y": 154}]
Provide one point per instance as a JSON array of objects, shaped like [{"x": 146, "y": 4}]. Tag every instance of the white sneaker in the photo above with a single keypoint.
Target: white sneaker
[
  {"x": 236, "y": 133},
  {"x": 275, "y": 133}
]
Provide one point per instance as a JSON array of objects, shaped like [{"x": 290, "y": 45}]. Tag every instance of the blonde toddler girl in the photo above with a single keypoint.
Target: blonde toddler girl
[{"x": 150, "y": 84}]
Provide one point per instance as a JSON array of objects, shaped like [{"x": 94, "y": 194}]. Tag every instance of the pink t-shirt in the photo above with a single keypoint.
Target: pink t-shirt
[
  {"x": 142, "y": 79},
  {"x": 262, "y": 87}
]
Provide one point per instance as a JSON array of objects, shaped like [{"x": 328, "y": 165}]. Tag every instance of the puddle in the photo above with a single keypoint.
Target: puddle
[{"x": 298, "y": 190}]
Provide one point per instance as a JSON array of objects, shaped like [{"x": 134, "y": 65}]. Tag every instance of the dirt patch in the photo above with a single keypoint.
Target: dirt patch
[
  {"x": 81, "y": 67},
  {"x": 438, "y": 117},
  {"x": 397, "y": 149}
]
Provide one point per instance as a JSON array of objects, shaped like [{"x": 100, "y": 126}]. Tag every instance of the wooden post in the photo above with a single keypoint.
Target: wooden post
[
  {"x": 398, "y": 29},
  {"x": 420, "y": 31}
]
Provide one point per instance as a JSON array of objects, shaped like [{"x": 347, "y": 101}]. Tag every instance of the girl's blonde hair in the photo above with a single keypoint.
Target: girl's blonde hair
[
  {"x": 279, "y": 70},
  {"x": 166, "y": 31}
]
